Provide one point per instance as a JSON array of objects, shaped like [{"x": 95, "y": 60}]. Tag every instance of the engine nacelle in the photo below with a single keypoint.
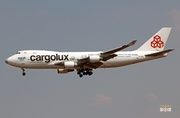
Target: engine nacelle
[
  {"x": 69, "y": 64},
  {"x": 94, "y": 58},
  {"x": 64, "y": 71}
]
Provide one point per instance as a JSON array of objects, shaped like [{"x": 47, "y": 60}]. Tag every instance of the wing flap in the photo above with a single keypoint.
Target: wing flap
[
  {"x": 93, "y": 65},
  {"x": 109, "y": 57},
  {"x": 82, "y": 61}
]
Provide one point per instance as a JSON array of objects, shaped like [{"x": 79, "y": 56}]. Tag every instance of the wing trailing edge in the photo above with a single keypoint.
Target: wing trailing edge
[{"x": 112, "y": 51}]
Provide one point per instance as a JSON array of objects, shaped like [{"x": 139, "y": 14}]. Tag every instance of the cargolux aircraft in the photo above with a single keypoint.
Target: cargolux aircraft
[{"x": 85, "y": 62}]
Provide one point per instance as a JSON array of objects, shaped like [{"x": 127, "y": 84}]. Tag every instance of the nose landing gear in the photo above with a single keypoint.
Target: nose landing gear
[{"x": 23, "y": 73}]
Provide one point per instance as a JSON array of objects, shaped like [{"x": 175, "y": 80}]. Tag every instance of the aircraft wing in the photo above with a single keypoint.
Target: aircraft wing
[
  {"x": 93, "y": 65},
  {"x": 112, "y": 51},
  {"x": 104, "y": 56},
  {"x": 86, "y": 62}
]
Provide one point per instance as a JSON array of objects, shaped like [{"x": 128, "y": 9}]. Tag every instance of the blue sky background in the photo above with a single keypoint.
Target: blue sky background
[{"x": 93, "y": 25}]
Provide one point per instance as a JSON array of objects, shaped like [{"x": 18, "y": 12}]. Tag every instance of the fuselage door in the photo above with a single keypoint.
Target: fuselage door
[{"x": 22, "y": 58}]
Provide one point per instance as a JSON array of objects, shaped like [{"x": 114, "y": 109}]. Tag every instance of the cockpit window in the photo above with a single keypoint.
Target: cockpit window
[{"x": 18, "y": 53}]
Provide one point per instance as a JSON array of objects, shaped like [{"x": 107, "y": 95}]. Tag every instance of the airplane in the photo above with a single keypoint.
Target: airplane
[{"x": 85, "y": 62}]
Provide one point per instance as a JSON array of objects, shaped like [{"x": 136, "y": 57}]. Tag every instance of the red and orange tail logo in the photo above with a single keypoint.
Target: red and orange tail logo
[{"x": 157, "y": 42}]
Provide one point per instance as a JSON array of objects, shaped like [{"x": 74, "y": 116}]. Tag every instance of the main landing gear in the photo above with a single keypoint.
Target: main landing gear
[
  {"x": 23, "y": 73},
  {"x": 84, "y": 72}
]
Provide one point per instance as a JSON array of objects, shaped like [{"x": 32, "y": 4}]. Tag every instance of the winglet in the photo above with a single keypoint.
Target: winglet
[{"x": 132, "y": 43}]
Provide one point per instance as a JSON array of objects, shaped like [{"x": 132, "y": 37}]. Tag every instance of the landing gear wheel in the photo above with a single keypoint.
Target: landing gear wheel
[
  {"x": 82, "y": 72},
  {"x": 90, "y": 73},
  {"x": 80, "y": 75},
  {"x": 23, "y": 73},
  {"x": 85, "y": 72},
  {"x": 78, "y": 72}
]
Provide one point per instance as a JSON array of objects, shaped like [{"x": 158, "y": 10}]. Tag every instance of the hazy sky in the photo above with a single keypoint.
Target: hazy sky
[{"x": 135, "y": 91}]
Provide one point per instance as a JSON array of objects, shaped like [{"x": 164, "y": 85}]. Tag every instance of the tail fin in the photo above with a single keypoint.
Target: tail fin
[{"x": 157, "y": 42}]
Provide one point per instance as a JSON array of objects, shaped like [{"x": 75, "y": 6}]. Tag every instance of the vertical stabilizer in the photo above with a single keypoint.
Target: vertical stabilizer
[{"x": 157, "y": 42}]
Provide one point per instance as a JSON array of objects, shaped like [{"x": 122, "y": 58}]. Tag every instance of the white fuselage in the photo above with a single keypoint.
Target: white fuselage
[
  {"x": 40, "y": 59},
  {"x": 86, "y": 62}
]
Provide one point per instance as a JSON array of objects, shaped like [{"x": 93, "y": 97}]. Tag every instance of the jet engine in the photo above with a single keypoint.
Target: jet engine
[
  {"x": 94, "y": 58},
  {"x": 69, "y": 64}
]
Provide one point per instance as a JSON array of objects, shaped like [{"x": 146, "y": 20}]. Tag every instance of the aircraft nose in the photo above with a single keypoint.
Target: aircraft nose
[
  {"x": 6, "y": 61},
  {"x": 11, "y": 60}
]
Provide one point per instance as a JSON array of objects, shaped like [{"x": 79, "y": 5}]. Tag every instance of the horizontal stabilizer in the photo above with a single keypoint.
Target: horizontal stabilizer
[{"x": 160, "y": 53}]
